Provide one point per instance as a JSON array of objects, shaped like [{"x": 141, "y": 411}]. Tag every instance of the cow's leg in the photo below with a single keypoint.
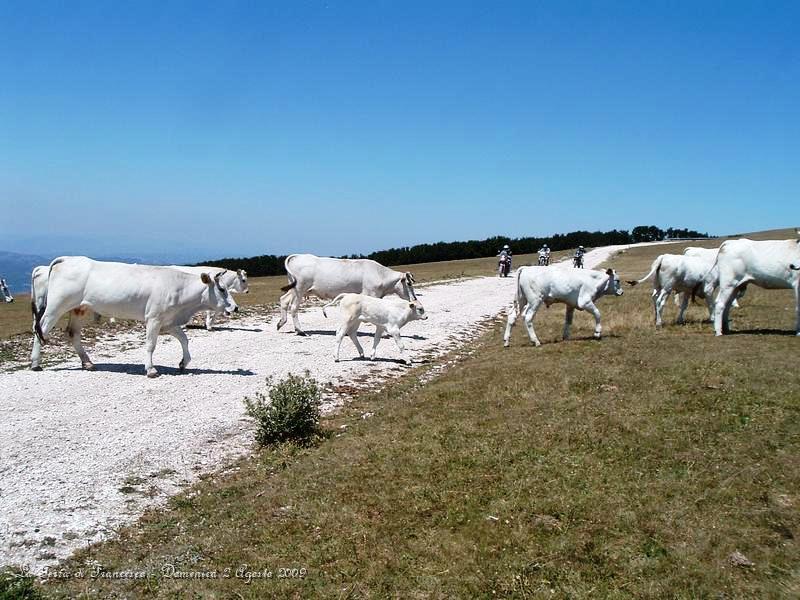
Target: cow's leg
[
  {"x": 210, "y": 314},
  {"x": 76, "y": 323},
  {"x": 180, "y": 335},
  {"x": 598, "y": 329},
  {"x": 512, "y": 319},
  {"x": 395, "y": 333},
  {"x": 54, "y": 311},
  {"x": 682, "y": 310},
  {"x": 153, "y": 328},
  {"x": 283, "y": 303},
  {"x": 722, "y": 309},
  {"x": 294, "y": 307},
  {"x": 528, "y": 314},
  {"x": 797, "y": 308},
  {"x": 353, "y": 333},
  {"x": 568, "y": 321},
  {"x": 660, "y": 300},
  {"x": 376, "y": 340},
  {"x": 344, "y": 329}
]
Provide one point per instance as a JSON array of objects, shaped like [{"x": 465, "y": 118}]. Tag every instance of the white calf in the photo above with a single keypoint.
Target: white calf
[
  {"x": 575, "y": 288},
  {"x": 386, "y": 314}
]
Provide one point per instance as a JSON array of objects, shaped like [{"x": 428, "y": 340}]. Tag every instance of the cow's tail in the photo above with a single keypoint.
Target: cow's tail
[
  {"x": 333, "y": 302},
  {"x": 292, "y": 279},
  {"x": 409, "y": 281},
  {"x": 519, "y": 296},
  {"x": 655, "y": 268},
  {"x": 38, "y": 311}
]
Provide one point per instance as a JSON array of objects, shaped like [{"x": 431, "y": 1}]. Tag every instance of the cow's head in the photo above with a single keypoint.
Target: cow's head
[
  {"x": 240, "y": 283},
  {"x": 417, "y": 311},
  {"x": 613, "y": 284},
  {"x": 404, "y": 287},
  {"x": 218, "y": 295}
]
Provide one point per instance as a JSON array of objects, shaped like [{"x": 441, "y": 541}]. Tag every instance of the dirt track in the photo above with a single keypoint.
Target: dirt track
[{"x": 83, "y": 452}]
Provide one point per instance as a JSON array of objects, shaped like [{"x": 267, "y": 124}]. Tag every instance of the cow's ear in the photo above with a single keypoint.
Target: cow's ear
[
  {"x": 205, "y": 278},
  {"x": 240, "y": 273},
  {"x": 610, "y": 272}
]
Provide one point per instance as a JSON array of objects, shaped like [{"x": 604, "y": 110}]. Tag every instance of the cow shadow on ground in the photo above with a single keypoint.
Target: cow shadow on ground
[
  {"x": 226, "y": 328},
  {"x": 762, "y": 332},
  {"x": 369, "y": 334},
  {"x": 138, "y": 369},
  {"x": 378, "y": 359}
]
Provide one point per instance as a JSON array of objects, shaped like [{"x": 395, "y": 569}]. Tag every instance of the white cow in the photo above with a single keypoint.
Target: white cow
[
  {"x": 7, "y": 297},
  {"x": 686, "y": 275},
  {"x": 712, "y": 279},
  {"x": 768, "y": 264},
  {"x": 326, "y": 278},
  {"x": 575, "y": 288},
  {"x": 386, "y": 314},
  {"x": 235, "y": 281},
  {"x": 163, "y": 297}
]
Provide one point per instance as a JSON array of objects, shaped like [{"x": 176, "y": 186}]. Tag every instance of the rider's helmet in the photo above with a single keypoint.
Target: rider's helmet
[
  {"x": 506, "y": 247},
  {"x": 545, "y": 246},
  {"x": 580, "y": 247}
]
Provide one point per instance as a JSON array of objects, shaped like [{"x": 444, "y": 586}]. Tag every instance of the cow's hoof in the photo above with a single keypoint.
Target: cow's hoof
[
  {"x": 152, "y": 373},
  {"x": 38, "y": 368},
  {"x": 302, "y": 333},
  {"x": 597, "y": 336},
  {"x": 88, "y": 366},
  {"x": 506, "y": 344},
  {"x": 335, "y": 360},
  {"x": 181, "y": 367}
]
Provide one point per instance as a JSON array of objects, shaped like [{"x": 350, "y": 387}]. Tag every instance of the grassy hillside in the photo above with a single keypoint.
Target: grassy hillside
[{"x": 630, "y": 467}]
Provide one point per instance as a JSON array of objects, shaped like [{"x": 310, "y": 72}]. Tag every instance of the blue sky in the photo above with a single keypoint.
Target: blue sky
[{"x": 194, "y": 129}]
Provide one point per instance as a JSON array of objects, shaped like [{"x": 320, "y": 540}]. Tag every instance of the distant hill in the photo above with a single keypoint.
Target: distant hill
[
  {"x": 269, "y": 264},
  {"x": 16, "y": 269}
]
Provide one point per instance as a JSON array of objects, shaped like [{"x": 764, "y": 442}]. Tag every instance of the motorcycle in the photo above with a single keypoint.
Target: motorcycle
[
  {"x": 544, "y": 259},
  {"x": 577, "y": 262},
  {"x": 504, "y": 265}
]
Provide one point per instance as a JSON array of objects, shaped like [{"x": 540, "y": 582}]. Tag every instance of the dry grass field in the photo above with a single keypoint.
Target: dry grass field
[{"x": 634, "y": 466}]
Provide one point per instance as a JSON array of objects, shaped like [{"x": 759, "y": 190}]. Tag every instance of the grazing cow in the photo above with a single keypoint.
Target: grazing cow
[
  {"x": 686, "y": 275},
  {"x": 7, "y": 297},
  {"x": 575, "y": 288},
  {"x": 770, "y": 264},
  {"x": 163, "y": 297},
  {"x": 326, "y": 278},
  {"x": 235, "y": 281},
  {"x": 386, "y": 314}
]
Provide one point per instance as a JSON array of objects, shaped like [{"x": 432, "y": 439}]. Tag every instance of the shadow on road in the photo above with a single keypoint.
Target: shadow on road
[{"x": 138, "y": 369}]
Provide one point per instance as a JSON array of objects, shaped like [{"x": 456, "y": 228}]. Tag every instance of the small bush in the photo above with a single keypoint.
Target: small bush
[
  {"x": 17, "y": 585},
  {"x": 290, "y": 412}
]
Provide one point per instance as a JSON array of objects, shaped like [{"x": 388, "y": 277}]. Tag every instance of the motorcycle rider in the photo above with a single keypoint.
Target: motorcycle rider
[
  {"x": 578, "y": 260},
  {"x": 544, "y": 255},
  {"x": 503, "y": 256}
]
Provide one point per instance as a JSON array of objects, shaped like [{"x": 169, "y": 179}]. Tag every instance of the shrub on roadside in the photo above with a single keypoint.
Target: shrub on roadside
[
  {"x": 289, "y": 412},
  {"x": 17, "y": 585}
]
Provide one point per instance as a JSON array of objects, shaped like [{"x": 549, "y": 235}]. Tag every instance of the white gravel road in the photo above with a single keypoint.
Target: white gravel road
[{"x": 82, "y": 453}]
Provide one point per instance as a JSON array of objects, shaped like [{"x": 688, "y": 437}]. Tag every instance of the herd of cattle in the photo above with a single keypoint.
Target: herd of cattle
[{"x": 166, "y": 298}]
